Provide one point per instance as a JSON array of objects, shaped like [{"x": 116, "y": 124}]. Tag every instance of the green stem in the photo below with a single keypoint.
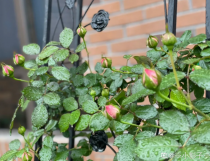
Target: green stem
[
  {"x": 174, "y": 69},
  {"x": 114, "y": 70},
  {"x": 200, "y": 113},
  {"x": 148, "y": 125},
  {"x": 29, "y": 69},
  {"x": 170, "y": 100},
  {"x": 87, "y": 54},
  {"x": 31, "y": 147},
  {"x": 21, "y": 80}
]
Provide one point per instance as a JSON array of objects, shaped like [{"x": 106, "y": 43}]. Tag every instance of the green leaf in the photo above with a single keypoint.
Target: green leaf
[
  {"x": 32, "y": 93},
  {"x": 37, "y": 84},
  {"x": 186, "y": 36},
  {"x": 205, "y": 52},
  {"x": 174, "y": 122},
  {"x": 48, "y": 141},
  {"x": 177, "y": 96},
  {"x": 53, "y": 86},
  {"x": 74, "y": 117},
  {"x": 20, "y": 153},
  {"x": 41, "y": 62},
  {"x": 192, "y": 119},
  {"x": 60, "y": 55},
  {"x": 47, "y": 52},
  {"x": 198, "y": 92},
  {"x": 151, "y": 149},
  {"x": 202, "y": 104},
  {"x": 191, "y": 60},
  {"x": 201, "y": 78},
  {"x": 203, "y": 46},
  {"x": 66, "y": 37},
  {"x": 201, "y": 134},
  {"x": 52, "y": 99},
  {"x": 144, "y": 134},
  {"x": 83, "y": 122},
  {"x": 73, "y": 58},
  {"x": 146, "y": 112},
  {"x": 194, "y": 152},
  {"x": 31, "y": 64},
  {"x": 82, "y": 68},
  {"x": 98, "y": 68},
  {"x": 118, "y": 82},
  {"x": 31, "y": 49},
  {"x": 41, "y": 70},
  {"x": 61, "y": 156},
  {"x": 127, "y": 56},
  {"x": 90, "y": 106},
  {"x": 80, "y": 47},
  {"x": 143, "y": 60},
  {"x": 102, "y": 101},
  {"x": 90, "y": 80},
  {"x": 164, "y": 92},
  {"x": 64, "y": 122},
  {"x": 98, "y": 122},
  {"x": 51, "y": 61},
  {"x": 120, "y": 127},
  {"x": 61, "y": 73},
  {"x": 15, "y": 144},
  {"x": 37, "y": 134},
  {"x": 55, "y": 43},
  {"x": 51, "y": 124},
  {"x": 78, "y": 80},
  {"x": 8, "y": 155},
  {"x": 81, "y": 91},
  {"x": 39, "y": 116},
  {"x": 187, "y": 137},
  {"x": 84, "y": 98},
  {"x": 70, "y": 104},
  {"x": 122, "y": 139},
  {"x": 169, "y": 80},
  {"x": 45, "y": 153},
  {"x": 154, "y": 55},
  {"x": 197, "y": 39}
]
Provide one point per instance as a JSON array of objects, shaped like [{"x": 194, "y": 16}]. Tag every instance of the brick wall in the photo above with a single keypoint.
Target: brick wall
[{"x": 131, "y": 21}]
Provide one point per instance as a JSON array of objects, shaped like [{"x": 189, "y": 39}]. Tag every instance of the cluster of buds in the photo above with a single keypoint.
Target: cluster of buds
[
  {"x": 169, "y": 39},
  {"x": 151, "y": 78},
  {"x": 19, "y": 59},
  {"x": 152, "y": 42},
  {"x": 106, "y": 63},
  {"x": 81, "y": 31},
  {"x": 112, "y": 112}
]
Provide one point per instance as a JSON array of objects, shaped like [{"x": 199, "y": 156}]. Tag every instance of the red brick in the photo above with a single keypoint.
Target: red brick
[
  {"x": 201, "y": 30},
  {"x": 106, "y": 35},
  {"x": 198, "y": 3},
  {"x": 137, "y": 3},
  {"x": 110, "y": 7},
  {"x": 191, "y": 19},
  {"x": 158, "y": 11},
  {"x": 126, "y": 18},
  {"x": 146, "y": 28},
  {"x": 99, "y": 50},
  {"x": 129, "y": 45}
]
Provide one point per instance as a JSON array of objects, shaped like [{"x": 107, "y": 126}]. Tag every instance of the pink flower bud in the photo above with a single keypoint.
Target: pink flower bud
[
  {"x": 106, "y": 63},
  {"x": 7, "y": 70},
  {"x": 151, "y": 78},
  {"x": 113, "y": 111},
  {"x": 19, "y": 59},
  {"x": 152, "y": 42},
  {"x": 81, "y": 31}
]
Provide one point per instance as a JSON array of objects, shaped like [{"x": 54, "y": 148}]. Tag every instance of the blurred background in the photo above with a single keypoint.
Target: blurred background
[{"x": 131, "y": 21}]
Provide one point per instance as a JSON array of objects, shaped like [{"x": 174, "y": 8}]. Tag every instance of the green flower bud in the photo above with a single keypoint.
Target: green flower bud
[
  {"x": 152, "y": 42},
  {"x": 106, "y": 63},
  {"x": 196, "y": 67},
  {"x": 81, "y": 31},
  {"x": 92, "y": 93},
  {"x": 19, "y": 59},
  {"x": 21, "y": 130},
  {"x": 169, "y": 39},
  {"x": 7, "y": 70},
  {"x": 105, "y": 92},
  {"x": 151, "y": 78}
]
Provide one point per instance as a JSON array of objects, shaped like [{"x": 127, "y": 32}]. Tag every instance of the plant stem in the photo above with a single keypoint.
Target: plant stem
[
  {"x": 31, "y": 147},
  {"x": 114, "y": 70},
  {"x": 174, "y": 69},
  {"x": 29, "y": 69},
  {"x": 21, "y": 80},
  {"x": 148, "y": 125},
  {"x": 87, "y": 54},
  {"x": 200, "y": 113}
]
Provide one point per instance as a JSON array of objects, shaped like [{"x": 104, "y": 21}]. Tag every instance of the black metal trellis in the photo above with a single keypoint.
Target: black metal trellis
[{"x": 208, "y": 30}]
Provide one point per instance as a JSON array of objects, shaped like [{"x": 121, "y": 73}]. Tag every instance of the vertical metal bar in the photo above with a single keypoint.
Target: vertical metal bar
[
  {"x": 76, "y": 64},
  {"x": 46, "y": 39},
  {"x": 208, "y": 31},
  {"x": 172, "y": 16}
]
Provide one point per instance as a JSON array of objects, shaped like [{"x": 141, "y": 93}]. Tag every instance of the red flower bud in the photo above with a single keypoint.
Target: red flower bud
[
  {"x": 106, "y": 63},
  {"x": 151, "y": 79},
  {"x": 152, "y": 41},
  {"x": 81, "y": 31},
  {"x": 7, "y": 70},
  {"x": 169, "y": 39},
  {"x": 113, "y": 111},
  {"x": 19, "y": 59}
]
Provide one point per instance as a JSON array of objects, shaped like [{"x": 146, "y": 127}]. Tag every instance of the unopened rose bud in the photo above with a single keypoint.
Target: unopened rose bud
[
  {"x": 105, "y": 92},
  {"x": 19, "y": 59},
  {"x": 106, "y": 63},
  {"x": 196, "y": 67},
  {"x": 7, "y": 70},
  {"x": 21, "y": 130},
  {"x": 112, "y": 111},
  {"x": 152, "y": 42},
  {"x": 81, "y": 31},
  {"x": 151, "y": 78},
  {"x": 169, "y": 39},
  {"x": 92, "y": 93}
]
